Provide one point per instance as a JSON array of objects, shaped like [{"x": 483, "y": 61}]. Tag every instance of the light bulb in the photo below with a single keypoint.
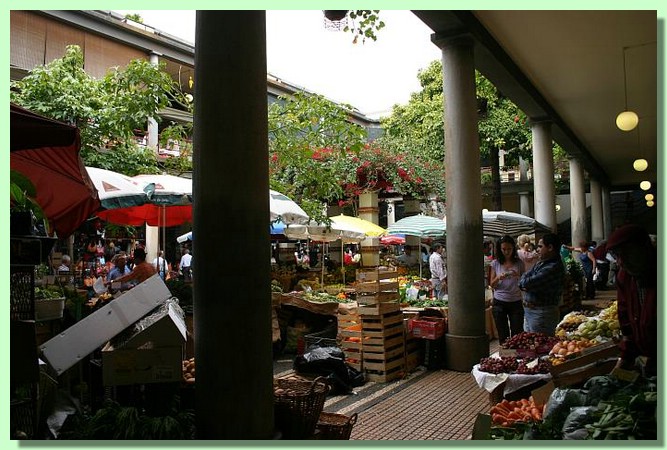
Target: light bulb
[
  {"x": 649, "y": 197},
  {"x": 650, "y": 203},
  {"x": 557, "y": 207},
  {"x": 640, "y": 164},
  {"x": 627, "y": 120},
  {"x": 645, "y": 185}
]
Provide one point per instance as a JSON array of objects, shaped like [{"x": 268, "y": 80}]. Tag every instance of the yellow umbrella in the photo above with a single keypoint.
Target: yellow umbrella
[{"x": 356, "y": 224}]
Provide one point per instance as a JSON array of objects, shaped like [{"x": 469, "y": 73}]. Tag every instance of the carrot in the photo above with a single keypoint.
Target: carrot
[{"x": 514, "y": 416}]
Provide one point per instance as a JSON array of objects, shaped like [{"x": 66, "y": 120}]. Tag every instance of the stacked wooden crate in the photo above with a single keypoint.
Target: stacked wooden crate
[
  {"x": 349, "y": 338},
  {"x": 414, "y": 354},
  {"x": 382, "y": 335}
]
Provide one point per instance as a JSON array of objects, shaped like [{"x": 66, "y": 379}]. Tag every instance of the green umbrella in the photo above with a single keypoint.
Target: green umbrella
[{"x": 421, "y": 226}]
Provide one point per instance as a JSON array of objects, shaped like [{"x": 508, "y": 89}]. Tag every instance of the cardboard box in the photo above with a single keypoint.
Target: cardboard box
[
  {"x": 141, "y": 366},
  {"x": 153, "y": 354},
  {"x": 78, "y": 341}
]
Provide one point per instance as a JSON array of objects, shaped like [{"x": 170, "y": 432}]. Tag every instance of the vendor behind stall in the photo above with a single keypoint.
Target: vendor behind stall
[{"x": 142, "y": 269}]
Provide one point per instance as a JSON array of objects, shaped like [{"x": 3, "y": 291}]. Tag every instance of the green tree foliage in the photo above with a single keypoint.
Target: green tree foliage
[
  {"x": 299, "y": 127},
  {"x": 107, "y": 111}
]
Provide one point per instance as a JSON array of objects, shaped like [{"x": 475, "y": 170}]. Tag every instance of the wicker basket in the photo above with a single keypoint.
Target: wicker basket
[
  {"x": 297, "y": 405},
  {"x": 335, "y": 426}
]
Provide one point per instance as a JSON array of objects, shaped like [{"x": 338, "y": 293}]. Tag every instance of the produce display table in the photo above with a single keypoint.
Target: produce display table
[{"x": 502, "y": 384}]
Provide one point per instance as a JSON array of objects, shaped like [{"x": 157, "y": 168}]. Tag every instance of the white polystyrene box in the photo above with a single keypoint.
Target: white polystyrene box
[{"x": 84, "y": 337}]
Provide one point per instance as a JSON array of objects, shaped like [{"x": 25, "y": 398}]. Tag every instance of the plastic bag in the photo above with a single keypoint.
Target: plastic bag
[
  {"x": 561, "y": 400},
  {"x": 575, "y": 423},
  {"x": 329, "y": 362}
]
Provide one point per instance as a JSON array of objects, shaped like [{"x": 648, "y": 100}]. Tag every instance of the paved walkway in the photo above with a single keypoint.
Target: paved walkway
[{"x": 426, "y": 405}]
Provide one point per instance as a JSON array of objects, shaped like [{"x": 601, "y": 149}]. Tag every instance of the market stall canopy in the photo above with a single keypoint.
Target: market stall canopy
[
  {"x": 420, "y": 225},
  {"x": 276, "y": 228},
  {"x": 393, "y": 239},
  {"x": 117, "y": 190},
  {"x": 47, "y": 153},
  {"x": 347, "y": 228},
  {"x": 358, "y": 224},
  {"x": 170, "y": 203},
  {"x": 285, "y": 209},
  {"x": 500, "y": 223}
]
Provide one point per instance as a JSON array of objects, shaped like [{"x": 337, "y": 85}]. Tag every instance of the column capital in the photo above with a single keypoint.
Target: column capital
[
  {"x": 452, "y": 39},
  {"x": 540, "y": 121}
]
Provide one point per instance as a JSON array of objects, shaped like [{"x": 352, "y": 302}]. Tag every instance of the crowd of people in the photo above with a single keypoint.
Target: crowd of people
[{"x": 527, "y": 287}]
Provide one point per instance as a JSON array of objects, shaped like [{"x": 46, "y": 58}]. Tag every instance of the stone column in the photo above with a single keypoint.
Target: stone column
[
  {"x": 152, "y": 233},
  {"x": 466, "y": 340},
  {"x": 234, "y": 398},
  {"x": 391, "y": 212},
  {"x": 597, "y": 225},
  {"x": 606, "y": 211},
  {"x": 543, "y": 174},
  {"x": 524, "y": 200},
  {"x": 153, "y": 131},
  {"x": 577, "y": 203},
  {"x": 369, "y": 210}
]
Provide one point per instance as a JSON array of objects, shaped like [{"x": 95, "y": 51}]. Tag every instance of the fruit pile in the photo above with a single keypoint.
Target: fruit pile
[
  {"x": 531, "y": 368},
  {"x": 507, "y": 413},
  {"x": 567, "y": 348},
  {"x": 189, "y": 370},
  {"x": 498, "y": 365},
  {"x": 525, "y": 340}
]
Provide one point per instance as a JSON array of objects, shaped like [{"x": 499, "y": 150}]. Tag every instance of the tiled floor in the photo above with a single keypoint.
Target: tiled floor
[{"x": 438, "y": 405}]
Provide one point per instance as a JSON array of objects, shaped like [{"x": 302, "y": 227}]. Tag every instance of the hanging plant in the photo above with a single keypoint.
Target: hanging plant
[{"x": 362, "y": 23}]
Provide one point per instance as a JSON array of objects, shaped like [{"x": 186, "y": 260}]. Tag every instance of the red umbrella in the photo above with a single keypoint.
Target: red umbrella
[
  {"x": 148, "y": 214},
  {"x": 47, "y": 153},
  {"x": 393, "y": 239}
]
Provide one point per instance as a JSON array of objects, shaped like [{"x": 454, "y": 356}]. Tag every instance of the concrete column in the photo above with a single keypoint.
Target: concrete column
[
  {"x": 153, "y": 131},
  {"x": 412, "y": 207},
  {"x": 543, "y": 175},
  {"x": 466, "y": 341},
  {"x": 391, "y": 212},
  {"x": 597, "y": 225},
  {"x": 524, "y": 200},
  {"x": 234, "y": 398},
  {"x": 606, "y": 211},
  {"x": 523, "y": 169},
  {"x": 152, "y": 242},
  {"x": 369, "y": 210},
  {"x": 577, "y": 203}
]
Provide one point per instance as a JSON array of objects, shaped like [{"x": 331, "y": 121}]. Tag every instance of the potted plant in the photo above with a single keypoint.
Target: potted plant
[{"x": 25, "y": 212}]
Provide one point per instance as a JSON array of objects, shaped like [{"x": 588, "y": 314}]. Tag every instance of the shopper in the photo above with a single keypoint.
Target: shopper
[
  {"x": 65, "y": 263},
  {"x": 438, "y": 271},
  {"x": 120, "y": 269},
  {"x": 528, "y": 255},
  {"x": 636, "y": 288},
  {"x": 507, "y": 307},
  {"x": 160, "y": 264},
  {"x": 543, "y": 287},
  {"x": 185, "y": 265},
  {"x": 407, "y": 258},
  {"x": 142, "y": 270},
  {"x": 588, "y": 263}
]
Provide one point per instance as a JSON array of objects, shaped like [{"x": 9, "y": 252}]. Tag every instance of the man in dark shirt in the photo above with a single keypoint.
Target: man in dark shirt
[
  {"x": 543, "y": 286},
  {"x": 636, "y": 287}
]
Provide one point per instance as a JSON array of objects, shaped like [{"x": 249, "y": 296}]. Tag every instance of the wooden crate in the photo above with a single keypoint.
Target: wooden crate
[
  {"x": 375, "y": 298},
  {"x": 376, "y": 274},
  {"x": 376, "y": 286},
  {"x": 378, "y": 309},
  {"x": 383, "y": 371}
]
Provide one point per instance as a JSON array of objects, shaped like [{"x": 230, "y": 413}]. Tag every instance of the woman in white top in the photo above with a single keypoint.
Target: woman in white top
[{"x": 504, "y": 276}]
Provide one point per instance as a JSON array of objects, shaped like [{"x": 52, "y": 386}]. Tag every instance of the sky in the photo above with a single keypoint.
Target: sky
[{"x": 371, "y": 76}]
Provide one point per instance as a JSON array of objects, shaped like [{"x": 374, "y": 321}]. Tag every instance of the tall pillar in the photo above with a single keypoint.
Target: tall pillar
[
  {"x": 524, "y": 201},
  {"x": 543, "y": 175},
  {"x": 153, "y": 132},
  {"x": 391, "y": 212},
  {"x": 234, "y": 398},
  {"x": 606, "y": 211},
  {"x": 152, "y": 233},
  {"x": 466, "y": 340},
  {"x": 597, "y": 225},
  {"x": 577, "y": 203},
  {"x": 369, "y": 210}
]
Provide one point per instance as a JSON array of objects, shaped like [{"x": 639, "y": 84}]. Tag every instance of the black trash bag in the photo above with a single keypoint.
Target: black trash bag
[
  {"x": 558, "y": 406},
  {"x": 329, "y": 362}
]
